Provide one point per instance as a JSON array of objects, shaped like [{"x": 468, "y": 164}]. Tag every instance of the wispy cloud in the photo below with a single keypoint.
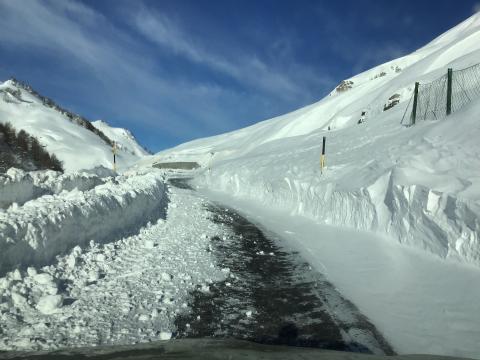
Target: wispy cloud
[
  {"x": 69, "y": 30},
  {"x": 247, "y": 69},
  {"x": 124, "y": 76}
]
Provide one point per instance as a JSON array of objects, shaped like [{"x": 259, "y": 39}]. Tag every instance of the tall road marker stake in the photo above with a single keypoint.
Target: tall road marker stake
[{"x": 322, "y": 157}]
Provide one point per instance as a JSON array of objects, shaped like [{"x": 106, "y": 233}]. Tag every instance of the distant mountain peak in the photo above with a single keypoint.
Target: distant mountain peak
[{"x": 73, "y": 139}]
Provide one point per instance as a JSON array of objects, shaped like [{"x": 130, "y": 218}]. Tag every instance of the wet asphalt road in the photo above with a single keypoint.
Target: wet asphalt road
[{"x": 272, "y": 296}]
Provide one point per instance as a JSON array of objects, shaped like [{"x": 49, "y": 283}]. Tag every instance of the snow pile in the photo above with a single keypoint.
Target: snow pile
[
  {"x": 123, "y": 292},
  {"x": 50, "y": 225},
  {"x": 77, "y": 147},
  {"x": 418, "y": 185},
  {"x": 18, "y": 186}
]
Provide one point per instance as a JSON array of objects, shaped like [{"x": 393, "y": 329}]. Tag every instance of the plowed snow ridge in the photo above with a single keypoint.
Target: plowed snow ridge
[
  {"x": 36, "y": 232},
  {"x": 126, "y": 291}
]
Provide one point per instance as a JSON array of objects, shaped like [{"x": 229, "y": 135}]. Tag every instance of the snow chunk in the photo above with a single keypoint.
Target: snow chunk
[
  {"x": 19, "y": 300},
  {"x": 149, "y": 244},
  {"x": 166, "y": 277},
  {"x": 43, "y": 279},
  {"x": 143, "y": 318},
  {"x": 49, "y": 304},
  {"x": 165, "y": 335}
]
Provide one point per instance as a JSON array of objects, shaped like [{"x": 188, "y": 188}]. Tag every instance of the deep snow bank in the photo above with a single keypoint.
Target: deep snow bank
[
  {"x": 416, "y": 215},
  {"x": 47, "y": 226},
  {"x": 123, "y": 292},
  {"x": 18, "y": 186}
]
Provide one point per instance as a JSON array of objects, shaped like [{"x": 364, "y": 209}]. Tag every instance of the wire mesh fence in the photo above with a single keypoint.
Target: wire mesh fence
[
  {"x": 465, "y": 86},
  {"x": 447, "y": 94},
  {"x": 431, "y": 100}
]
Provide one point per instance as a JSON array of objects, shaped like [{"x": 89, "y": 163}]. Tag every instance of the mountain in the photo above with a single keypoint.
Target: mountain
[
  {"x": 124, "y": 139},
  {"x": 74, "y": 140},
  {"x": 417, "y": 185}
]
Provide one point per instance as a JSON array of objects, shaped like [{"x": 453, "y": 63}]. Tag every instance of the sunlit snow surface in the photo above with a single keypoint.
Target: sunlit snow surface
[
  {"x": 125, "y": 291},
  {"x": 416, "y": 186},
  {"x": 419, "y": 185}
]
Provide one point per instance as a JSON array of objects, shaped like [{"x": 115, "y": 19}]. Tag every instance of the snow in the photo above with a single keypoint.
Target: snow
[
  {"x": 33, "y": 234},
  {"x": 125, "y": 140},
  {"x": 49, "y": 304},
  {"x": 393, "y": 220},
  {"x": 77, "y": 147},
  {"x": 18, "y": 186},
  {"x": 124, "y": 291},
  {"x": 421, "y": 303},
  {"x": 416, "y": 185}
]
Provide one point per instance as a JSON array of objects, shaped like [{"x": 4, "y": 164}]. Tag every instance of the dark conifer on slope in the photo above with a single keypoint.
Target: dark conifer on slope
[{"x": 24, "y": 151}]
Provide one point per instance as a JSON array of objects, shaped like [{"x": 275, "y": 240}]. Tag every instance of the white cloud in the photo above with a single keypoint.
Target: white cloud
[{"x": 476, "y": 7}]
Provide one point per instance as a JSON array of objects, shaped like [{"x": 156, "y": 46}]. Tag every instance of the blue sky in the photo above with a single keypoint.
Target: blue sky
[{"x": 172, "y": 71}]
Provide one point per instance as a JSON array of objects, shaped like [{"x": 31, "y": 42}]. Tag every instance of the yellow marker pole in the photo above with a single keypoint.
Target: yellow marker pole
[
  {"x": 322, "y": 157},
  {"x": 114, "y": 151}
]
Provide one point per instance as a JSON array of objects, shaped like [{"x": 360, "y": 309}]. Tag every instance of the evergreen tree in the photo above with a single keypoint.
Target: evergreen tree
[
  {"x": 35, "y": 150},
  {"x": 10, "y": 134},
  {"x": 55, "y": 164},
  {"x": 24, "y": 151},
  {"x": 22, "y": 144}
]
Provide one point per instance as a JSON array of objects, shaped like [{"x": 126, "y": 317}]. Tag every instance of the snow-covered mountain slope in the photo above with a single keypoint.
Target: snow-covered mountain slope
[
  {"x": 60, "y": 131},
  {"x": 124, "y": 139},
  {"x": 418, "y": 185}
]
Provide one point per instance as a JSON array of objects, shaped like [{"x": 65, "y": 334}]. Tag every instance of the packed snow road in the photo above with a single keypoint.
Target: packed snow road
[{"x": 271, "y": 295}]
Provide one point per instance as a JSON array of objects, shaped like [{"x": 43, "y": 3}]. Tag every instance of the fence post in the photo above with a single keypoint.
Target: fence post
[
  {"x": 449, "y": 91},
  {"x": 415, "y": 100},
  {"x": 322, "y": 157}
]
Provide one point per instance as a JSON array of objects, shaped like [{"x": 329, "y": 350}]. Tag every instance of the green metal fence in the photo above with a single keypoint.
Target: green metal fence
[{"x": 445, "y": 95}]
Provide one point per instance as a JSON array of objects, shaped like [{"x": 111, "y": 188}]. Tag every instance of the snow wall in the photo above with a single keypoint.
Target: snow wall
[
  {"x": 413, "y": 214},
  {"x": 18, "y": 186},
  {"x": 36, "y": 232}
]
